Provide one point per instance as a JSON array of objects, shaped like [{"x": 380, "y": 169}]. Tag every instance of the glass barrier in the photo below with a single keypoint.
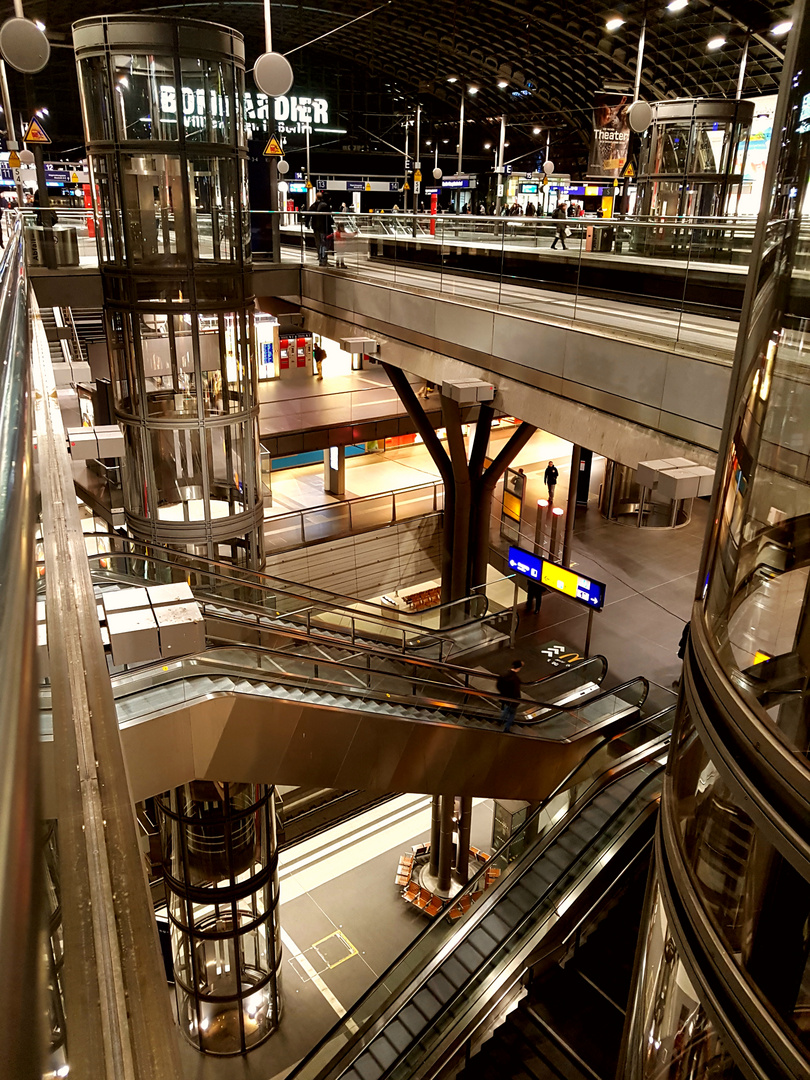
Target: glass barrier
[{"x": 674, "y": 281}]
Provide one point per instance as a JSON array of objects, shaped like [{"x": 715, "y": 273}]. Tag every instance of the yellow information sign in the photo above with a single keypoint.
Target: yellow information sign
[
  {"x": 74, "y": 178},
  {"x": 273, "y": 148},
  {"x": 368, "y": 185},
  {"x": 35, "y": 133},
  {"x": 559, "y": 579},
  {"x": 418, "y": 176},
  {"x": 14, "y": 160}
]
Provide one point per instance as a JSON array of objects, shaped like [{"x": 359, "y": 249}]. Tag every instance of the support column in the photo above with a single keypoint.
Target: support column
[
  {"x": 334, "y": 470},
  {"x": 463, "y": 851},
  {"x": 445, "y": 870},
  {"x": 435, "y": 835},
  {"x": 571, "y": 507}
]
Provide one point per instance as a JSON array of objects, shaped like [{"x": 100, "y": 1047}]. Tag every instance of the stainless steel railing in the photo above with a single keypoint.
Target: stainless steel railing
[{"x": 19, "y": 825}]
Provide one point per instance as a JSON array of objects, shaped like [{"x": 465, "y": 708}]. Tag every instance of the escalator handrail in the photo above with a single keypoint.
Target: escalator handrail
[
  {"x": 175, "y": 671},
  {"x": 326, "y": 639},
  {"x": 614, "y": 690},
  {"x": 417, "y": 661},
  {"x": 516, "y": 931},
  {"x": 470, "y": 886},
  {"x": 236, "y": 575}
]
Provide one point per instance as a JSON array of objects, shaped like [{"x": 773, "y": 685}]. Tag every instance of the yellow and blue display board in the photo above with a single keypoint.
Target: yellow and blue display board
[{"x": 558, "y": 578}]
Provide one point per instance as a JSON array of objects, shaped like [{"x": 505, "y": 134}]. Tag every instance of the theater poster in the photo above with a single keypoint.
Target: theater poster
[{"x": 610, "y": 143}]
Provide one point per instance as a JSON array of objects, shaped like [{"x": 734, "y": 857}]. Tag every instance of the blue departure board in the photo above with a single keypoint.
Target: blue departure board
[{"x": 558, "y": 578}]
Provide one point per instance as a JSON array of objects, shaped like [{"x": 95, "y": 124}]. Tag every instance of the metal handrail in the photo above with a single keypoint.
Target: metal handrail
[
  {"x": 19, "y": 860},
  {"x": 305, "y": 512}
]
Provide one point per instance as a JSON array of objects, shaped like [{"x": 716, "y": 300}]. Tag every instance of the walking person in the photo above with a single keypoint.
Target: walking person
[
  {"x": 319, "y": 355},
  {"x": 322, "y": 226},
  {"x": 562, "y": 229},
  {"x": 509, "y": 686},
  {"x": 550, "y": 479}
]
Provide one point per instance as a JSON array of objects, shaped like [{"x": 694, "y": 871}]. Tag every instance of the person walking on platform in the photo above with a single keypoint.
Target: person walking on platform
[
  {"x": 509, "y": 686},
  {"x": 562, "y": 229},
  {"x": 319, "y": 355},
  {"x": 322, "y": 226},
  {"x": 550, "y": 479}
]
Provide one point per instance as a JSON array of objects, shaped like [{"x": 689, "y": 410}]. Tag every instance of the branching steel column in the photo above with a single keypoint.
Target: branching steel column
[
  {"x": 446, "y": 844},
  {"x": 483, "y": 500},
  {"x": 463, "y": 499}
]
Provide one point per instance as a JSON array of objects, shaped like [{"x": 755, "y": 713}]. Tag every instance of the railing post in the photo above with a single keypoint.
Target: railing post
[
  {"x": 303, "y": 533},
  {"x": 393, "y": 507}
]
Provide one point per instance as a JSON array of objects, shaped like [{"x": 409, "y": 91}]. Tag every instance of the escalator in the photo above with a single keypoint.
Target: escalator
[
  {"x": 417, "y": 1017},
  {"x": 300, "y": 697}
]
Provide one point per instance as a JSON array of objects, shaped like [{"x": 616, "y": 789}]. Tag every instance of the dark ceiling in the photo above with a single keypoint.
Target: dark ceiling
[{"x": 552, "y": 58}]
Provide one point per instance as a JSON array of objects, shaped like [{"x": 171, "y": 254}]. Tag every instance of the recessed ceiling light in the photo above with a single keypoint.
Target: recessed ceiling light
[
  {"x": 473, "y": 89},
  {"x": 782, "y": 28},
  {"x": 536, "y": 131},
  {"x": 502, "y": 85},
  {"x": 452, "y": 78},
  {"x": 39, "y": 25},
  {"x": 614, "y": 23},
  {"x": 677, "y": 5},
  {"x": 715, "y": 43},
  {"x": 487, "y": 145}
]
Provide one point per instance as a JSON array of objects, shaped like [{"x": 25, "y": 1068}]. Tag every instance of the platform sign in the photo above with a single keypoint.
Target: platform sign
[
  {"x": 35, "y": 133},
  {"x": 273, "y": 148},
  {"x": 558, "y": 578}
]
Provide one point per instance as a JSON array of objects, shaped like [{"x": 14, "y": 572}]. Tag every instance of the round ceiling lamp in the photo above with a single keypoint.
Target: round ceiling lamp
[
  {"x": 639, "y": 116},
  {"x": 437, "y": 174},
  {"x": 273, "y": 74},
  {"x": 283, "y": 167},
  {"x": 548, "y": 167},
  {"x": 24, "y": 46}
]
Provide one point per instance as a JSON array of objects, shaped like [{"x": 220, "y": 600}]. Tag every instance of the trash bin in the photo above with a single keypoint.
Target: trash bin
[
  {"x": 67, "y": 245},
  {"x": 34, "y": 236},
  {"x": 603, "y": 239}
]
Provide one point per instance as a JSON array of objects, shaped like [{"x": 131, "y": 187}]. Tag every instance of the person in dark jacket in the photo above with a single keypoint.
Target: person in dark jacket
[
  {"x": 322, "y": 225},
  {"x": 509, "y": 687},
  {"x": 682, "y": 650},
  {"x": 560, "y": 216},
  {"x": 550, "y": 479},
  {"x": 534, "y": 595}
]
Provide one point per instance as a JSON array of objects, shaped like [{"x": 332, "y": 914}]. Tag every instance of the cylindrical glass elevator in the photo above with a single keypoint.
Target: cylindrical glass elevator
[
  {"x": 220, "y": 867},
  {"x": 723, "y": 979},
  {"x": 162, "y": 101}
]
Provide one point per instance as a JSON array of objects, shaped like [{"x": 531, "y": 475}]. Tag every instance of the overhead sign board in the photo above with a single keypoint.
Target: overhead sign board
[{"x": 558, "y": 578}]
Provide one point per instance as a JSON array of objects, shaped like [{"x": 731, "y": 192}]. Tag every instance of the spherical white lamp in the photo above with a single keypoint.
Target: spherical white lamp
[
  {"x": 24, "y": 46},
  {"x": 26, "y": 157},
  {"x": 283, "y": 167},
  {"x": 437, "y": 174},
  {"x": 548, "y": 167},
  {"x": 273, "y": 74},
  {"x": 639, "y": 116}
]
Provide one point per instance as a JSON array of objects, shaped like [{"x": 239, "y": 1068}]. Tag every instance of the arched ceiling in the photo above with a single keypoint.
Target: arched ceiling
[{"x": 553, "y": 58}]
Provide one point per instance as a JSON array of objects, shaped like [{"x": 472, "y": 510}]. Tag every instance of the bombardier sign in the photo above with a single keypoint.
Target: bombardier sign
[{"x": 291, "y": 115}]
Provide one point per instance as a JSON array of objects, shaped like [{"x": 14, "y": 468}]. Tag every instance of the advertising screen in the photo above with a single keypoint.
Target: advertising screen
[{"x": 559, "y": 578}]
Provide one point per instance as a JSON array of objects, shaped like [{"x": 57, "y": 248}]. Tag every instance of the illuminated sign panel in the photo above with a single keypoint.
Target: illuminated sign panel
[
  {"x": 559, "y": 578},
  {"x": 285, "y": 115}
]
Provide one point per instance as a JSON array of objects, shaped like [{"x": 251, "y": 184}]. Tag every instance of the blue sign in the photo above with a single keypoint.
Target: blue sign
[
  {"x": 558, "y": 578},
  {"x": 456, "y": 183},
  {"x": 393, "y": 185},
  {"x": 267, "y": 353},
  {"x": 355, "y": 185},
  {"x": 321, "y": 185},
  {"x": 525, "y": 563}
]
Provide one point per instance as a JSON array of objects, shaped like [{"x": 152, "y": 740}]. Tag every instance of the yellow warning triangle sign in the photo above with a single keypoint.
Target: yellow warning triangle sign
[
  {"x": 74, "y": 178},
  {"x": 629, "y": 171},
  {"x": 273, "y": 148},
  {"x": 14, "y": 160},
  {"x": 35, "y": 133}
]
